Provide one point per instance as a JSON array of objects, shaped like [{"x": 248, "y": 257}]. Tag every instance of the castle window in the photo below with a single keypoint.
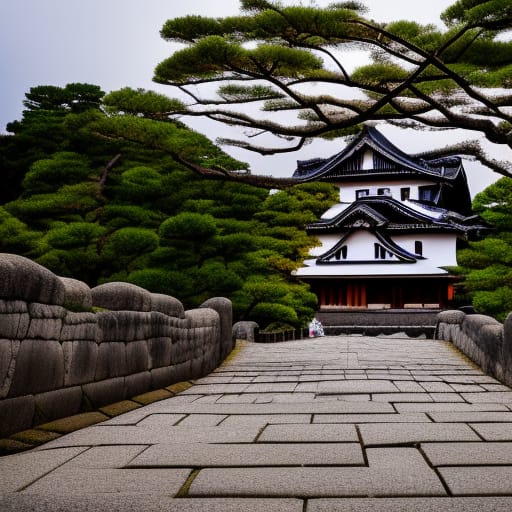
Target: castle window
[
  {"x": 384, "y": 191},
  {"x": 405, "y": 193},
  {"x": 362, "y": 193},
  {"x": 418, "y": 247},
  {"x": 427, "y": 193},
  {"x": 341, "y": 253}
]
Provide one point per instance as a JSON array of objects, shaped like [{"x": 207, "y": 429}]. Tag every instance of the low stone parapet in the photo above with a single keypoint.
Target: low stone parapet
[
  {"x": 66, "y": 348},
  {"x": 483, "y": 339}
]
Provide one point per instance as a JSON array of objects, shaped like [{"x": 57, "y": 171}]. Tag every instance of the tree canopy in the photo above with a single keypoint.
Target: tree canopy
[
  {"x": 286, "y": 70},
  {"x": 100, "y": 209},
  {"x": 487, "y": 264}
]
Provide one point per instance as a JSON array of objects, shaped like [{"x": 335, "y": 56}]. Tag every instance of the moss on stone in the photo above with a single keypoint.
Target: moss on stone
[
  {"x": 9, "y": 446},
  {"x": 35, "y": 436},
  {"x": 153, "y": 396},
  {"x": 72, "y": 423},
  {"x": 119, "y": 408},
  {"x": 178, "y": 387}
]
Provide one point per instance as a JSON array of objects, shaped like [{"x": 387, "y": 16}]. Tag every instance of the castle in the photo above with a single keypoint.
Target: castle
[{"x": 388, "y": 242}]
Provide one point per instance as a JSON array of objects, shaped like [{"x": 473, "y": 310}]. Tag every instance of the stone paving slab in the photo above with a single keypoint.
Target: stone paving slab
[
  {"x": 494, "y": 504},
  {"x": 468, "y": 454},
  {"x": 448, "y": 407},
  {"x": 407, "y": 433},
  {"x": 247, "y": 455},
  {"x": 472, "y": 417},
  {"x": 499, "y": 397},
  {"x": 494, "y": 431},
  {"x": 479, "y": 480},
  {"x": 237, "y": 421},
  {"x": 97, "y": 481},
  {"x": 19, "y": 470},
  {"x": 279, "y": 408},
  {"x": 357, "y": 386},
  {"x": 392, "y": 471},
  {"x": 335, "y": 423},
  {"x": 142, "y": 502},
  {"x": 311, "y": 433},
  {"x": 372, "y": 418},
  {"x": 121, "y": 435}
]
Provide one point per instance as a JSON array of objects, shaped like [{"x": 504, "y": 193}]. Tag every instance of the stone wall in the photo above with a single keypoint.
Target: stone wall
[
  {"x": 58, "y": 357},
  {"x": 414, "y": 322},
  {"x": 483, "y": 339}
]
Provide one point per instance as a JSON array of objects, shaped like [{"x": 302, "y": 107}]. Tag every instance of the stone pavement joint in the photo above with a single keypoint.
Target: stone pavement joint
[{"x": 341, "y": 424}]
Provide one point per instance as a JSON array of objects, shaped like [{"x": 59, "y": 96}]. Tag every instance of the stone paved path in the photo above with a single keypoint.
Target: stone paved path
[{"x": 329, "y": 424}]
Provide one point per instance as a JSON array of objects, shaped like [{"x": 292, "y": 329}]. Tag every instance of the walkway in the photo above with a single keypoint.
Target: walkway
[{"x": 329, "y": 424}]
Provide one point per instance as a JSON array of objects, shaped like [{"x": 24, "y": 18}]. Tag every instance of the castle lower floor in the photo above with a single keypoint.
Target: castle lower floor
[{"x": 383, "y": 293}]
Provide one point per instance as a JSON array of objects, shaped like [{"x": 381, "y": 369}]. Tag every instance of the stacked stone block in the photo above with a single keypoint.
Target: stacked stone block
[
  {"x": 58, "y": 357},
  {"x": 482, "y": 338}
]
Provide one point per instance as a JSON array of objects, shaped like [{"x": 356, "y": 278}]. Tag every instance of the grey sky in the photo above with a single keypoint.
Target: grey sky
[{"x": 116, "y": 43}]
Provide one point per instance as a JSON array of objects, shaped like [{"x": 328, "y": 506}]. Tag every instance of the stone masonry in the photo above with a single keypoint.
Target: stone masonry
[
  {"x": 343, "y": 424},
  {"x": 59, "y": 358}
]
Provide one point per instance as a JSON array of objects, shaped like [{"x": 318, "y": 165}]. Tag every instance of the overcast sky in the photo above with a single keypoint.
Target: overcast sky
[{"x": 116, "y": 43}]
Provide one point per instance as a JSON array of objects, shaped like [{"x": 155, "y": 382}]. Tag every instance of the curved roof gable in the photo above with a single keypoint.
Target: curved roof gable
[
  {"x": 444, "y": 168},
  {"x": 400, "y": 253},
  {"x": 375, "y": 212}
]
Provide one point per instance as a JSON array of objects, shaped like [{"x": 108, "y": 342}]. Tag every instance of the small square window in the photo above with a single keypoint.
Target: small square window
[{"x": 362, "y": 193}]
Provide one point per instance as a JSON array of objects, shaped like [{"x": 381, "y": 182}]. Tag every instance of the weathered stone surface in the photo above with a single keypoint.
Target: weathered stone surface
[
  {"x": 451, "y": 317},
  {"x": 137, "y": 383},
  {"x": 111, "y": 360},
  {"x": 245, "y": 455},
  {"x": 18, "y": 471},
  {"x": 473, "y": 324},
  {"x": 137, "y": 357},
  {"x": 74, "y": 423},
  {"x": 309, "y": 433},
  {"x": 159, "y": 352},
  {"x": 80, "y": 359},
  {"x": 452, "y": 504},
  {"x": 507, "y": 349},
  {"x": 409, "y": 433},
  {"x": 224, "y": 308},
  {"x": 39, "y": 367},
  {"x": 478, "y": 480},
  {"x": 21, "y": 278},
  {"x": 124, "y": 326},
  {"x": 80, "y": 481},
  {"x": 79, "y": 326},
  {"x": 16, "y": 414},
  {"x": 45, "y": 321},
  {"x": 14, "y": 319},
  {"x": 76, "y": 293},
  {"x": 168, "y": 305},
  {"x": 161, "y": 377},
  {"x": 105, "y": 392},
  {"x": 468, "y": 454},
  {"x": 391, "y": 471},
  {"x": 245, "y": 330},
  {"x": 13, "y": 306},
  {"x": 131, "y": 502},
  {"x": 8, "y": 352},
  {"x": 121, "y": 297},
  {"x": 59, "y": 403}
]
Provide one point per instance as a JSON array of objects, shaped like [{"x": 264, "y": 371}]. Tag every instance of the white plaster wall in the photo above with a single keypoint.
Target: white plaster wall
[
  {"x": 361, "y": 246},
  {"x": 348, "y": 191},
  {"x": 327, "y": 241},
  {"x": 440, "y": 249}
]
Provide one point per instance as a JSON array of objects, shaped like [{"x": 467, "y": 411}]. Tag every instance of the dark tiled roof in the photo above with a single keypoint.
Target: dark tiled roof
[
  {"x": 319, "y": 168},
  {"x": 387, "y": 213}
]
